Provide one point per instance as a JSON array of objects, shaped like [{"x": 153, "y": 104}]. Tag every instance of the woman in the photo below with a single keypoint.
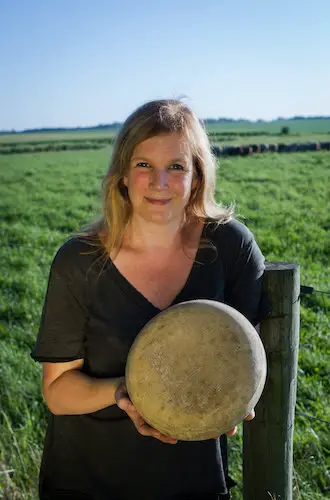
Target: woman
[{"x": 162, "y": 240}]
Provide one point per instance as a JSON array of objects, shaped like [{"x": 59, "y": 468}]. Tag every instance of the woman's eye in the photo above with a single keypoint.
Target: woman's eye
[{"x": 177, "y": 166}]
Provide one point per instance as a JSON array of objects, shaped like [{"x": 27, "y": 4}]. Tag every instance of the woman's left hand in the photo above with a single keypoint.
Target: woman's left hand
[{"x": 249, "y": 417}]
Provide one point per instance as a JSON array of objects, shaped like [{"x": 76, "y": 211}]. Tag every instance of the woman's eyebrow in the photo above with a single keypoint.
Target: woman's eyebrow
[{"x": 148, "y": 159}]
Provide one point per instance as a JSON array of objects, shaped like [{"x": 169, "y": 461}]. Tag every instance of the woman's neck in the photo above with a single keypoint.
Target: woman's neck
[{"x": 147, "y": 236}]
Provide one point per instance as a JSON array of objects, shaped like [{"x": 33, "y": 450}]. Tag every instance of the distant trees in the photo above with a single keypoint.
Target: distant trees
[{"x": 285, "y": 130}]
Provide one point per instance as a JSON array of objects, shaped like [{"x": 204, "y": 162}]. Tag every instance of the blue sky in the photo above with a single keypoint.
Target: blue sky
[{"x": 80, "y": 63}]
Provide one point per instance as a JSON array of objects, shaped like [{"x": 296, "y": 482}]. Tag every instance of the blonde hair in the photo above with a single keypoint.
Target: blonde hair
[{"x": 153, "y": 118}]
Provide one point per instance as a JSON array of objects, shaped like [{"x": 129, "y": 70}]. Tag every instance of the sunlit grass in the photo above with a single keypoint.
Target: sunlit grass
[{"x": 44, "y": 197}]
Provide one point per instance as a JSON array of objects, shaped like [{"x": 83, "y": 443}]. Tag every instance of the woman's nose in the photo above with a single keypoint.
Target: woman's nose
[{"x": 159, "y": 178}]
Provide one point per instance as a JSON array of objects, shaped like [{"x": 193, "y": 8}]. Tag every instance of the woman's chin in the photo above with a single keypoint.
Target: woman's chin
[{"x": 159, "y": 217}]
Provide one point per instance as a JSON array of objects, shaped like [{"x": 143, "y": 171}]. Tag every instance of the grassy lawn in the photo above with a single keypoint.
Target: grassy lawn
[{"x": 43, "y": 197}]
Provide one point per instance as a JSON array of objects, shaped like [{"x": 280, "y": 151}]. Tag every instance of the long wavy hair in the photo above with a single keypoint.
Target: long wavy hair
[{"x": 151, "y": 119}]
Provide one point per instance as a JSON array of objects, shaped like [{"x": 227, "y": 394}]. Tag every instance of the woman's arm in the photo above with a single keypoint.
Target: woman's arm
[{"x": 68, "y": 391}]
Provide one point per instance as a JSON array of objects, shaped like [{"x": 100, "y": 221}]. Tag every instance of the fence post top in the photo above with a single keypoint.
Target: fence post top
[{"x": 280, "y": 266}]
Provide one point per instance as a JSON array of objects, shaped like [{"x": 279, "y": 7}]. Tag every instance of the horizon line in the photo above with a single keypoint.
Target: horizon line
[{"x": 116, "y": 124}]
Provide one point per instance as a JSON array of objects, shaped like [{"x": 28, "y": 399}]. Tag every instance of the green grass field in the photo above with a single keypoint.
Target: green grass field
[
  {"x": 44, "y": 197},
  {"x": 80, "y": 135},
  {"x": 303, "y": 126},
  {"x": 299, "y": 129}
]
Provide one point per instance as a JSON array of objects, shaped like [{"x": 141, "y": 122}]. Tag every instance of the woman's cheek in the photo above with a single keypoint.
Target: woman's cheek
[
  {"x": 181, "y": 185},
  {"x": 141, "y": 179}
]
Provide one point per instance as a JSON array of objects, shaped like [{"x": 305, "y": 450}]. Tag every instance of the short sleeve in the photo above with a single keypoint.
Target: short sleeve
[
  {"x": 64, "y": 316},
  {"x": 244, "y": 266}
]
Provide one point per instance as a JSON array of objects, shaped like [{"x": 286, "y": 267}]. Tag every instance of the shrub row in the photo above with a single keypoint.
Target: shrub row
[
  {"x": 275, "y": 148},
  {"x": 42, "y": 148},
  {"x": 239, "y": 133},
  {"x": 100, "y": 140},
  {"x": 217, "y": 150}
]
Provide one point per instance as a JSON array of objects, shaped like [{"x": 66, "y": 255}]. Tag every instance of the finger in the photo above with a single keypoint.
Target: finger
[
  {"x": 146, "y": 430},
  {"x": 232, "y": 431},
  {"x": 125, "y": 404},
  {"x": 166, "y": 439},
  {"x": 137, "y": 419},
  {"x": 121, "y": 392},
  {"x": 250, "y": 416},
  {"x": 141, "y": 425}
]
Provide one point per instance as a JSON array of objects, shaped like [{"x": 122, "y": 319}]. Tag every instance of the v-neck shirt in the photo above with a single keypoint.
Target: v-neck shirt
[
  {"x": 92, "y": 311},
  {"x": 139, "y": 298}
]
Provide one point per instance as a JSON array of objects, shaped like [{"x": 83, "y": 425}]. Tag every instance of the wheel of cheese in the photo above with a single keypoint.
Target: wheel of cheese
[{"x": 196, "y": 370}]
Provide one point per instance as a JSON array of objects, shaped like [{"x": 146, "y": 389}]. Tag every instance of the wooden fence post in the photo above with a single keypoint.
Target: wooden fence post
[{"x": 268, "y": 439}]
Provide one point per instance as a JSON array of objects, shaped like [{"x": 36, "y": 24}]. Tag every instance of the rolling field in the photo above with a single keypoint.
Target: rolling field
[
  {"x": 55, "y": 136},
  {"x": 303, "y": 126},
  {"x": 238, "y": 132},
  {"x": 44, "y": 197}
]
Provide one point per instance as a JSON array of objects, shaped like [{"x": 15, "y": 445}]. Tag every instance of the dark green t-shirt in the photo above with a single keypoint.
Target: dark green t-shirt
[{"x": 91, "y": 311}]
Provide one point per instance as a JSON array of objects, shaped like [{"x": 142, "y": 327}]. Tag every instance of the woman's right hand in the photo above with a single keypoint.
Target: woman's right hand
[{"x": 123, "y": 401}]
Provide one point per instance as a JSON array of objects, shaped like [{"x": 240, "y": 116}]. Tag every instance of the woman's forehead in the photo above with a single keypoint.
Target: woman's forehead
[{"x": 171, "y": 143}]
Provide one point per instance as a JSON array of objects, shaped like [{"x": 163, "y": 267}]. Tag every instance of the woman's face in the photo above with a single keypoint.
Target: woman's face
[{"x": 161, "y": 178}]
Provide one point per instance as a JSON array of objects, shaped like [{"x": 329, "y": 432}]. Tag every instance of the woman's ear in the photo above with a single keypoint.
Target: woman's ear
[{"x": 125, "y": 181}]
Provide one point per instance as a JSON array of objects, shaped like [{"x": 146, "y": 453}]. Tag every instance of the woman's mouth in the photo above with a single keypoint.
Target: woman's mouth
[{"x": 156, "y": 201}]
